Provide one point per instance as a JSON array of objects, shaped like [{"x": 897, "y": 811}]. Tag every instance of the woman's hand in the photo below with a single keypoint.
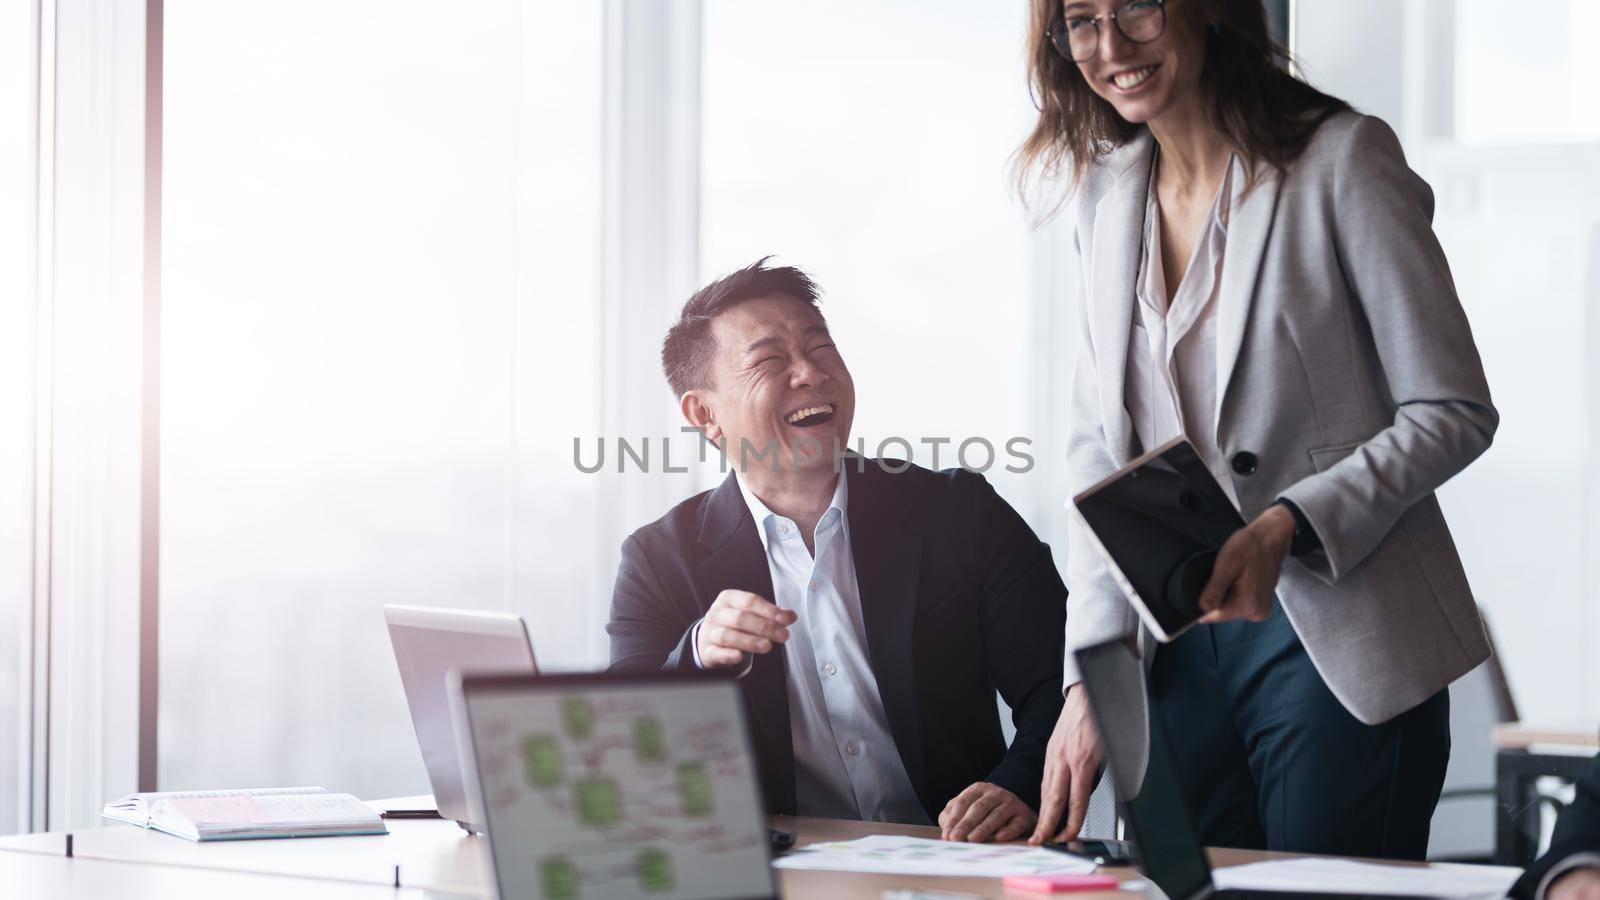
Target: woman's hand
[
  {"x": 1071, "y": 761},
  {"x": 985, "y": 812},
  {"x": 1247, "y": 569}
]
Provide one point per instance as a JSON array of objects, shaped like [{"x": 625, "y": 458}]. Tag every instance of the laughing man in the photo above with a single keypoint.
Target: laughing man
[{"x": 870, "y": 610}]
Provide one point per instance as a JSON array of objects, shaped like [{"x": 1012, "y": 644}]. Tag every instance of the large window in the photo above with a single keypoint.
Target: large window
[
  {"x": 17, "y": 178},
  {"x": 1516, "y": 212},
  {"x": 379, "y": 333},
  {"x": 1527, "y": 79},
  {"x": 868, "y": 144}
]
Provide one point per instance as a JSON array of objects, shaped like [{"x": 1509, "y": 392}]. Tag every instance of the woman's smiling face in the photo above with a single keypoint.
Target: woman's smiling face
[{"x": 1141, "y": 81}]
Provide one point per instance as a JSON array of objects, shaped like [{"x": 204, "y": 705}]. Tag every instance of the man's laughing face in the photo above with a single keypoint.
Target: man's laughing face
[{"x": 778, "y": 384}]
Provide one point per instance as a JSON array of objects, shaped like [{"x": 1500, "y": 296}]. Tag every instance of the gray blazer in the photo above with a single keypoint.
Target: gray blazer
[{"x": 1349, "y": 383}]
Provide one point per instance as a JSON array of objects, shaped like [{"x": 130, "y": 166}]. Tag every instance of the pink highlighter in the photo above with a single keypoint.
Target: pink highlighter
[{"x": 1059, "y": 884}]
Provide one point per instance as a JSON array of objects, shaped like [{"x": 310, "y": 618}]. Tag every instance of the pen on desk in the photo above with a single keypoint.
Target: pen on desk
[
  {"x": 410, "y": 814},
  {"x": 69, "y": 845}
]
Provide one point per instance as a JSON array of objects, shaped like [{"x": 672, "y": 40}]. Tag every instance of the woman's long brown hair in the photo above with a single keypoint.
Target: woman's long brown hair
[{"x": 1266, "y": 114}]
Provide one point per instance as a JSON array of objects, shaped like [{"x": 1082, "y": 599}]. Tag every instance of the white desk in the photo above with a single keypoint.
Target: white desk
[
  {"x": 432, "y": 854},
  {"x": 35, "y": 875},
  {"x": 437, "y": 860}
]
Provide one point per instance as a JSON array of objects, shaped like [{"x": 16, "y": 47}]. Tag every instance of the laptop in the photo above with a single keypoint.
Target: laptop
[
  {"x": 1164, "y": 834},
  {"x": 624, "y": 786},
  {"x": 428, "y": 644}
]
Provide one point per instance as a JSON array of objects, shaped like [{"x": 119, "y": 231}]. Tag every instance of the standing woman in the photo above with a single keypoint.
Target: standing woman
[{"x": 1260, "y": 274}]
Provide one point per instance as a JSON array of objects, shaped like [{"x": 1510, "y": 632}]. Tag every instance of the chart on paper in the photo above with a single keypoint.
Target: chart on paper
[{"x": 925, "y": 856}]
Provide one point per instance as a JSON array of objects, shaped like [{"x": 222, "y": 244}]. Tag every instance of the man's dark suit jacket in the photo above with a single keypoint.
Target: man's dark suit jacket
[
  {"x": 1577, "y": 831},
  {"x": 959, "y": 598}
]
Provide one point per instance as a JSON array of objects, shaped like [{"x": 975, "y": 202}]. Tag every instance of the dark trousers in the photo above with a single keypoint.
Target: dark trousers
[{"x": 1269, "y": 759}]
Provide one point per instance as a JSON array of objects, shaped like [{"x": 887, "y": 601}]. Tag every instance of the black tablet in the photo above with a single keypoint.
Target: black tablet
[{"x": 1159, "y": 522}]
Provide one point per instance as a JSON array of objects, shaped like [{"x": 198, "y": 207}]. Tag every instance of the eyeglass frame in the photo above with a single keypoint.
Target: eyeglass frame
[{"x": 1060, "y": 22}]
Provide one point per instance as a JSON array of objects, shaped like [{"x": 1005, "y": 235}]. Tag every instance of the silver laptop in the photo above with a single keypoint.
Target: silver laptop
[
  {"x": 428, "y": 644},
  {"x": 616, "y": 786}
]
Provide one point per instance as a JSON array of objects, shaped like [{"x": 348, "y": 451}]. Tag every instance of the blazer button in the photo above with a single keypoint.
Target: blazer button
[{"x": 1244, "y": 462}]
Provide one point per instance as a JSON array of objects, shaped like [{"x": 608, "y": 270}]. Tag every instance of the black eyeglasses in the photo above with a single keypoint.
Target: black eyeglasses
[{"x": 1077, "y": 37}]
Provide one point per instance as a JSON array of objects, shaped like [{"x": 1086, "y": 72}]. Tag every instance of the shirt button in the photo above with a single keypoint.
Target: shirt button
[
  {"x": 815, "y": 584},
  {"x": 783, "y": 529},
  {"x": 830, "y": 668},
  {"x": 852, "y": 749}
]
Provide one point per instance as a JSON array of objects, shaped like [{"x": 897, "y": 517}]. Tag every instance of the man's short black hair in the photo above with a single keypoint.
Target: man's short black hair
[{"x": 687, "y": 351}]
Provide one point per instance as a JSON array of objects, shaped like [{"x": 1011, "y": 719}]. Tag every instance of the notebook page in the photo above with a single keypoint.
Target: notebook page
[
  {"x": 236, "y": 809},
  {"x": 273, "y": 815},
  {"x": 137, "y": 809},
  {"x": 271, "y": 809},
  {"x": 316, "y": 808}
]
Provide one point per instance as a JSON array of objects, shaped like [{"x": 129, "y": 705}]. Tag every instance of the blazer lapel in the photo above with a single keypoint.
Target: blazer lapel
[
  {"x": 1249, "y": 224},
  {"x": 1114, "y": 269},
  {"x": 737, "y": 561},
  {"x": 888, "y": 560}
]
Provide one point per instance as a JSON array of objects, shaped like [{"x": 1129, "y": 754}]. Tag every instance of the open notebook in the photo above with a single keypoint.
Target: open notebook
[{"x": 240, "y": 815}]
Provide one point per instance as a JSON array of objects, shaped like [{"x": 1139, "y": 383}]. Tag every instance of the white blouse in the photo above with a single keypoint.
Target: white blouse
[{"x": 1172, "y": 377}]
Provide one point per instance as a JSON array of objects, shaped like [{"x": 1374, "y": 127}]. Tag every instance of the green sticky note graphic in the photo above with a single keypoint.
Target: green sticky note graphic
[
  {"x": 655, "y": 870},
  {"x": 559, "y": 878},
  {"x": 541, "y": 760},
  {"x": 596, "y": 802},
  {"x": 694, "y": 789},
  {"x": 578, "y": 718},
  {"x": 649, "y": 741}
]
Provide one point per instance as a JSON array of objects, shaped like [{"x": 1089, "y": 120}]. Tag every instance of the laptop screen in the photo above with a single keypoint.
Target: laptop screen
[
  {"x": 430, "y": 642},
  {"x": 1147, "y": 787},
  {"x": 612, "y": 786}
]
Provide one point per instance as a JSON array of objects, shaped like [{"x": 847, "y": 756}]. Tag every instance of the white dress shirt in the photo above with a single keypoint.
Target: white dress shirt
[
  {"x": 847, "y": 765},
  {"x": 1172, "y": 354}
]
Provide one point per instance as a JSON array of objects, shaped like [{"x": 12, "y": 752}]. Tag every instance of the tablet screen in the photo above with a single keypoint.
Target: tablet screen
[{"x": 1161, "y": 522}]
